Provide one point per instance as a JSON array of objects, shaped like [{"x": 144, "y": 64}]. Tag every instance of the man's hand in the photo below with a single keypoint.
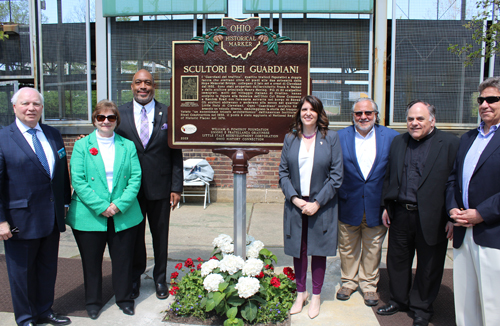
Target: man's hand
[
  {"x": 449, "y": 230},
  {"x": 466, "y": 218},
  {"x": 175, "y": 198},
  {"x": 310, "y": 209},
  {"x": 5, "y": 233},
  {"x": 385, "y": 219}
]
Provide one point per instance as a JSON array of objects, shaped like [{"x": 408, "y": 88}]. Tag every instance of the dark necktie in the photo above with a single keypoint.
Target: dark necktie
[{"x": 40, "y": 153}]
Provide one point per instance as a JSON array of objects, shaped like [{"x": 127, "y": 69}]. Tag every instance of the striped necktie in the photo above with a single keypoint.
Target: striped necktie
[{"x": 144, "y": 127}]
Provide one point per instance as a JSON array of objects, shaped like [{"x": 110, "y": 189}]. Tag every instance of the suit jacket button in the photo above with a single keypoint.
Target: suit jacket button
[
  {"x": 92, "y": 179},
  {"x": 125, "y": 177},
  {"x": 51, "y": 199}
]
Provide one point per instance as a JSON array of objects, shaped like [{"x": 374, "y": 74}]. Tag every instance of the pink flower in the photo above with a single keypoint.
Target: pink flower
[
  {"x": 174, "y": 275},
  {"x": 178, "y": 266},
  {"x": 198, "y": 267},
  {"x": 260, "y": 275},
  {"x": 93, "y": 151},
  {"x": 199, "y": 259}
]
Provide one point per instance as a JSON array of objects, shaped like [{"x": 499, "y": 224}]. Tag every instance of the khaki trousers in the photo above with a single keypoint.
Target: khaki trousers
[{"x": 360, "y": 249}]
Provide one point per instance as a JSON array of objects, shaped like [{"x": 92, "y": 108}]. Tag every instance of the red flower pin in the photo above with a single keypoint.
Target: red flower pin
[{"x": 93, "y": 151}]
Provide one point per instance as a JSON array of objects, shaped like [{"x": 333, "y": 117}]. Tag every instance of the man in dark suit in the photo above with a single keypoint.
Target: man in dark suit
[
  {"x": 414, "y": 196},
  {"x": 473, "y": 201},
  {"x": 365, "y": 149},
  {"x": 35, "y": 188},
  {"x": 144, "y": 121}
]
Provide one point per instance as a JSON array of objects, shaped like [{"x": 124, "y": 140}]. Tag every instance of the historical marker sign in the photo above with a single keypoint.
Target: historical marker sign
[{"x": 237, "y": 86}]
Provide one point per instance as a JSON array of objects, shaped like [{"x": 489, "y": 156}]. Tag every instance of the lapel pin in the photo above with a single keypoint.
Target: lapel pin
[
  {"x": 160, "y": 113},
  {"x": 321, "y": 143}
]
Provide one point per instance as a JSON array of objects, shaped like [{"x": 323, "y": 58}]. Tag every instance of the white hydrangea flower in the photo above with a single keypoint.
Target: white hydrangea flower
[
  {"x": 212, "y": 281},
  {"x": 252, "y": 267},
  {"x": 231, "y": 264},
  {"x": 250, "y": 239},
  {"x": 247, "y": 286},
  {"x": 209, "y": 266},
  {"x": 254, "y": 248},
  {"x": 227, "y": 248},
  {"x": 221, "y": 240}
]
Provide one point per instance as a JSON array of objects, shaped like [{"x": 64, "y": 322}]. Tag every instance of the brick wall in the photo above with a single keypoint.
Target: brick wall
[{"x": 262, "y": 169}]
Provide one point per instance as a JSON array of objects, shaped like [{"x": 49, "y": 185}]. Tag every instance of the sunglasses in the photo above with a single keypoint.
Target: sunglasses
[
  {"x": 367, "y": 113},
  {"x": 488, "y": 99},
  {"x": 101, "y": 118}
]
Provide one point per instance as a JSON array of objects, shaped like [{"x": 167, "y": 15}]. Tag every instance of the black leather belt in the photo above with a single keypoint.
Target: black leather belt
[{"x": 409, "y": 207}]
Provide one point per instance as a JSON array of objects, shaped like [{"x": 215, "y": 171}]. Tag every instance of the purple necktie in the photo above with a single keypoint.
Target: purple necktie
[{"x": 144, "y": 128}]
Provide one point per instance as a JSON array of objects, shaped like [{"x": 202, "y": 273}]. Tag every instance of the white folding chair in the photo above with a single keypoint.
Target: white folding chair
[{"x": 191, "y": 168}]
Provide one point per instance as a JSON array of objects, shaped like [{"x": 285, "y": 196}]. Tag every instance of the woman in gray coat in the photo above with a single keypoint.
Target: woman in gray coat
[{"x": 310, "y": 174}]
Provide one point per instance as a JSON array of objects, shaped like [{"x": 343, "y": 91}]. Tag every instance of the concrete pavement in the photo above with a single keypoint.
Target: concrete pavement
[{"x": 192, "y": 230}]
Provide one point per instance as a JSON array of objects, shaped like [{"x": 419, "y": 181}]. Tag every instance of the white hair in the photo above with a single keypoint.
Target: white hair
[{"x": 16, "y": 95}]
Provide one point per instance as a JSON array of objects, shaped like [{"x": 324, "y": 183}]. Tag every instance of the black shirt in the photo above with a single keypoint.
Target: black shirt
[{"x": 415, "y": 157}]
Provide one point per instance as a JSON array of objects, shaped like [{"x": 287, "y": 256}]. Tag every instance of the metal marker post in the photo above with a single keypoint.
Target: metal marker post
[
  {"x": 240, "y": 159},
  {"x": 240, "y": 214}
]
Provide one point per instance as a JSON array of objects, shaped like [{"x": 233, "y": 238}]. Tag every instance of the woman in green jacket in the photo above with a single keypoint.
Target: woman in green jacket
[{"x": 106, "y": 176}]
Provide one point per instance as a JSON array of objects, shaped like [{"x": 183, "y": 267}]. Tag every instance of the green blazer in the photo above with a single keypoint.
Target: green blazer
[{"x": 91, "y": 195}]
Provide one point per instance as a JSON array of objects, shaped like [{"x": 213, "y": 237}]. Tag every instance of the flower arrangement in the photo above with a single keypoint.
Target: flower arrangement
[{"x": 242, "y": 291}]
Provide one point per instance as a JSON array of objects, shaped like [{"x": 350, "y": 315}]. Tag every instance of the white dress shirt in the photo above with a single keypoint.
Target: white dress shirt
[
  {"x": 49, "y": 152},
  {"x": 366, "y": 151},
  {"x": 150, "y": 111},
  {"x": 306, "y": 162}
]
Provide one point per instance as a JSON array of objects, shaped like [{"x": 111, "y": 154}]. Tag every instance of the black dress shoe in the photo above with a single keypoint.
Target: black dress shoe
[
  {"x": 128, "y": 310},
  {"x": 135, "y": 290},
  {"x": 54, "y": 319},
  {"x": 161, "y": 291},
  {"x": 419, "y": 321},
  {"x": 93, "y": 313},
  {"x": 389, "y": 309}
]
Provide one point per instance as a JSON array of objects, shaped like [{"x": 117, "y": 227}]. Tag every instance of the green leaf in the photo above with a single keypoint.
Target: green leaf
[
  {"x": 210, "y": 305},
  {"x": 259, "y": 299},
  {"x": 218, "y": 297},
  {"x": 223, "y": 286},
  {"x": 231, "y": 313},
  {"x": 205, "y": 48},
  {"x": 211, "y": 45},
  {"x": 249, "y": 312},
  {"x": 235, "y": 301},
  {"x": 264, "y": 251}
]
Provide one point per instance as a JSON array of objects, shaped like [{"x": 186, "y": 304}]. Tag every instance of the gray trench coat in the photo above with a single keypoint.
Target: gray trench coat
[{"x": 326, "y": 179}]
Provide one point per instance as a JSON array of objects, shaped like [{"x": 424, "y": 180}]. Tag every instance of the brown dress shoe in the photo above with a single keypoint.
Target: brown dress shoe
[
  {"x": 344, "y": 293},
  {"x": 371, "y": 298}
]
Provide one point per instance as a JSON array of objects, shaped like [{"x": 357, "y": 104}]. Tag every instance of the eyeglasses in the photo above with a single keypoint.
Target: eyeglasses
[
  {"x": 488, "y": 99},
  {"x": 367, "y": 113},
  {"x": 101, "y": 118}
]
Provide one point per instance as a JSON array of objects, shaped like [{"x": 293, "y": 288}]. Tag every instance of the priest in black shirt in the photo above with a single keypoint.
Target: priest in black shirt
[{"x": 414, "y": 196}]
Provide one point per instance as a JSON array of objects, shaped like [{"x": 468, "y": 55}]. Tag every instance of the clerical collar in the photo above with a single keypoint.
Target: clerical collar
[{"x": 432, "y": 133}]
